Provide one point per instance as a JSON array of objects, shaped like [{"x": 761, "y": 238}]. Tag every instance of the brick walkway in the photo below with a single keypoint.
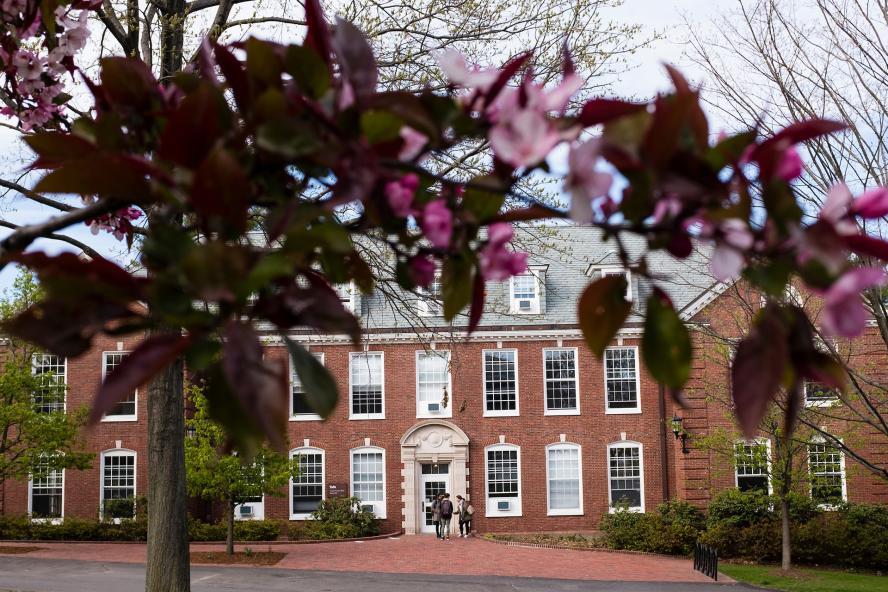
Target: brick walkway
[{"x": 424, "y": 554}]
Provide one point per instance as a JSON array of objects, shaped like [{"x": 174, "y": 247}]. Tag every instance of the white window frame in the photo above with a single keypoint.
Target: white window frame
[
  {"x": 117, "y": 452},
  {"x": 754, "y": 442},
  {"x": 352, "y": 303},
  {"x": 297, "y": 452},
  {"x": 65, "y": 378},
  {"x": 351, "y": 361},
  {"x": 445, "y": 412},
  {"x": 575, "y": 410},
  {"x": 609, "y": 270},
  {"x": 536, "y": 308},
  {"x": 499, "y": 412},
  {"x": 302, "y": 416},
  {"x": 822, "y": 403},
  {"x": 490, "y": 510},
  {"x": 134, "y": 416},
  {"x": 56, "y": 520},
  {"x": 623, "y": 410},
  {"x": 379, "y": 508},
  {"x": 428, "y": 305},
  {"x": 625, "y": 444},
  {"x": 567, "y": 511},
  {"x": 820, "y": 441}
]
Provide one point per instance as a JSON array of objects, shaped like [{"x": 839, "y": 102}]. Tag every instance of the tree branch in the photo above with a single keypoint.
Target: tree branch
[{"x": 59, "y": 237}]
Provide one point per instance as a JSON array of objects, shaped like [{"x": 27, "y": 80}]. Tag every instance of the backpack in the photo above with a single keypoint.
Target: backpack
[{"x": 446, "y": 508}]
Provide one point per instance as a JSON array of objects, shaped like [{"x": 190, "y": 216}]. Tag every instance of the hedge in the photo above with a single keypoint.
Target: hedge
[{"x": 336, "y": 518}]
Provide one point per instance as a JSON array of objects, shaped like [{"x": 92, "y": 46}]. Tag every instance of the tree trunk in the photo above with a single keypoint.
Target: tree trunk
[
  {"x": 168, "y": 569},
  {"x": 786, "y": 561},
  {"x": 229, "y": 537}
]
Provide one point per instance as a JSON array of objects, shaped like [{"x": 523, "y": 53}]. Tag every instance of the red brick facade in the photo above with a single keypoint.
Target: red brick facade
[{"x": 688, "y": 476}]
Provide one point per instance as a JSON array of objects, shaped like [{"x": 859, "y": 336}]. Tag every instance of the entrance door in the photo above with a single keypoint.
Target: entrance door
[{"x": 433, "y": 481}]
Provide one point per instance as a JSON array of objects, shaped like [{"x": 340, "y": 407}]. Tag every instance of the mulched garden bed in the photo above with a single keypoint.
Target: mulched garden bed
[
  {"x": 239, "y": 557},
  {"x": 17, "y": 550}
]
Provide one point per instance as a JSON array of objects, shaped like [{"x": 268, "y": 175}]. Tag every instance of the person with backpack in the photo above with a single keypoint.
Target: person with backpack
[
  {"x": 446, "y": 515},
  {"x": 465, "y": 511},
  {"x": 436, "y": 514}
]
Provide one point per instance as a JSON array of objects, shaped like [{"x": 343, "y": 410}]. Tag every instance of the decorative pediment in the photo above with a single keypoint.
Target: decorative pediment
[{"x": 435, "y": 437}]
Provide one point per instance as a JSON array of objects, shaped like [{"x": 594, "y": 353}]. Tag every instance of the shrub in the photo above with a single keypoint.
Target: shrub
[
  {"x": 257, "y": 530},
  {"x": 739, "y": 509},
  {"x": 14, "y": 528},
  {"x": 336, "y": 518},
  {"x": 672, "y": 530},
  {"x": 625, "y": 530}
]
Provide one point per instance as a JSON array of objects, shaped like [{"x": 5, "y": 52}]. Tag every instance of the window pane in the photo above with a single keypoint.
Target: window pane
[
  {"x": 564, "y": 478},
  {"x": 127, "y": 405},
  {"x": 119, "y": 483},
  {"x": 561, "y": 379},
  {"x": 827, "y": 477},
  {"x": 432, "y": 372},
  {"x": 499, "y": 381},
  {"x": 46, "y": 491},
  {"x": 524, "y": 287},
  {"x": 620, "y": 376},
  {"x": 820, "y": 393},
  {"x": 502, "y": 473},
  {"x": 367, "y": 476},
  {"x": 625, "y": 476},
  {"x": 308, "y": 486},
  {"x": 751, "y": 460},
  {"x": 298, "y": 403},
  {"x": 50, "y": 371},
  {"x": 366, "y": 383}
]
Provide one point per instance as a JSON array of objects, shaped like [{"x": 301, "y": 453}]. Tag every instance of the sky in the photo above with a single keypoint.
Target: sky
[{"x": 665, "y": 18}]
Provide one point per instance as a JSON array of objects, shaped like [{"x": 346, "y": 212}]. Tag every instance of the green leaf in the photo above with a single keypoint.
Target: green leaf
[
  {"x": 290, "y": 138},
  {"x": 262, "y": 62},
  {"x": 320, "y": 387},
  {"x": 380, "y": 126},
  {"x": 483, "y": 203},
  {"x": 456, "y": 285},
  {"x": 602, "y": 310},
  {"x": 666, "y": 346},
  {"x": 308, "y": 70}
]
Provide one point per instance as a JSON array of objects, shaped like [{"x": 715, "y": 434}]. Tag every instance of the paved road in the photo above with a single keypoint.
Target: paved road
[{"x": 58, "y": 575}]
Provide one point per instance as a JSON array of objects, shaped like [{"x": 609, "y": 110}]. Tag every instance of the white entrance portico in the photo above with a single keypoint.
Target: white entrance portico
[{"x": 433, "y": 452}]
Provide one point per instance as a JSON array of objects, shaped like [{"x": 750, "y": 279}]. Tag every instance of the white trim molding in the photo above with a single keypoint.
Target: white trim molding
[
  {"x": 625, "y": 444},
  {"x": 563, "y": 446}
]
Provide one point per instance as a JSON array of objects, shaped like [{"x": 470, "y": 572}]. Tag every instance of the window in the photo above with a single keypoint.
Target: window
[
  {"x": 300, "y": 410},
  {"x": 433, "y": 386},
  {"x": 430, "y": 298},
  {"x": 752, "y": 460},
  {"x": 524, "y": 293},
  {"x": 626, "y": 476},
  {"x": 820, "y": 395},
  {"x": 503, "y": 480},
  {"x": 612, "y": 271},
  {"x": 118, "y": 484},
  {"x": 500, "y": 382},
  {"x": 51, "y": 374},
  {"x": 827, "y": 467},
  {"x": 307, "y": 489},
  {"x": 367, "y": 394},
  {"x": 348, "y": 295},
  {"x": 125, "y": 409},
  {"x": 621, "y": 379},
  {"x": 47, "y": 492},
  {"x": 560, "y": 377},
  {"x": 368, "y": 478},
  {"x": 564, "y": 478}
]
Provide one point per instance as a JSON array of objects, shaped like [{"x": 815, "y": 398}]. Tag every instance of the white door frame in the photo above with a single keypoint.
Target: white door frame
[{"x": 423, "y": 479}]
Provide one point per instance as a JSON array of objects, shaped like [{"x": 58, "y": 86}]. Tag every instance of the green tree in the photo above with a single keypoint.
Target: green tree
[
  {"x": 36, "y": 434},
  {"x": 217, "y": 474}
]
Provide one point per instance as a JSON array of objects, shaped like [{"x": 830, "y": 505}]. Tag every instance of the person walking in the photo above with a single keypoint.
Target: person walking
[
  {"x": 446, "y": 515},
  {"x": 465, "y": 511},
  {"x": 436, "y": 514}
]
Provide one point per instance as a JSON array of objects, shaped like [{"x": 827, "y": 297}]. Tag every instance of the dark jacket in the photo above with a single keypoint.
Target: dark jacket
[{"x": 446, "y": 509}]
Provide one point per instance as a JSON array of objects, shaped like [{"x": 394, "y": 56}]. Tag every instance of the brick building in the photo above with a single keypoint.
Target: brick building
[{"x": 520, "y": 416}]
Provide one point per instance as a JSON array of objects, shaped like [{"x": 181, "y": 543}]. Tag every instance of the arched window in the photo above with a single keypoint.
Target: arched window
[
  {"x": 368, "y": 478},
  {"x": 118, "y": 485},
  {"x": 503, "y": 464},
  {"x": 625, "y": 483},
  {"x": 564, "y": 479},
  {"x": 307, "y": 489}
]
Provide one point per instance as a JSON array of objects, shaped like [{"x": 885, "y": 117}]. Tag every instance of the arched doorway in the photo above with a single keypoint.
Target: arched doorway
[{"x": 434, "y": 454}]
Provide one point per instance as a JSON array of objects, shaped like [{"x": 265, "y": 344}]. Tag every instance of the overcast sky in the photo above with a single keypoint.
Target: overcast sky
[{"x": 663, "y": 17}]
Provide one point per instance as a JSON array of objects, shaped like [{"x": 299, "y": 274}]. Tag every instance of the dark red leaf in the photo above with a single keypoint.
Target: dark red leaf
[
  {"x": 535, "y": 212},
  {"x": 863, "y": 244},
  {"x": 757, "y": 371},
  {"x": 802, "y": 131},
  {"x": 129, "y": 82},
  {"x": 105, "y": 175},
  {"x": 680, "y": 245},
  {"x": 136, "y": 369},
  {"x": 235, "y": 76},
  {"x": 508, "y": 70},
  {"x": 477, "y": 308},
  {"x": 193, "y": 128},
  {"x": 602, "y": 310},
  {"x": 260, "y": 385},
  {"x": 355, "y": 57},
  {"x": 671, "y": 115},
  {"x": 53, "y": 148},
  {"x": 221, "y": 192},
  {"x": 68, "y": 266},
  {"x": 598, "y": 111},
  {"x": 318, "y": 36},
  {"x": 567, "y": 63}
]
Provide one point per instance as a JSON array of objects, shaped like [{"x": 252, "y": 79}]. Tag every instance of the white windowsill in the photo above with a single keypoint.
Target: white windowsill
[
  {"x": 830, "y": 403},
  {"x": 301, "y": 517},
  {"x": 119, "y": 418},
  {"x": 626, "y": 411},
  {"x": 561, "y": 412},
  {"x": 366, "y": 416},
  {"x": 306, "y": 417},
  {"x": 54, "y": 521},
  {"x": 613, "y": 510},
  {"x": 514, "y": 413},
  {"x": 575, "y": 512}
]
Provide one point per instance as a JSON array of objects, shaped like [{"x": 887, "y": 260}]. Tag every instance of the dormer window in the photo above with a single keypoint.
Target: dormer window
[
  {"x": 525, "y": 292},
  {"x": 430, "y": 298},
  {"x": 617, "y": 271},
  {"x": 348, "y": 295}
]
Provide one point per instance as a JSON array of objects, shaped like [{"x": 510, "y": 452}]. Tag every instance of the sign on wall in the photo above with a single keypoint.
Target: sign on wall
[{"x": 337, "y": 490}]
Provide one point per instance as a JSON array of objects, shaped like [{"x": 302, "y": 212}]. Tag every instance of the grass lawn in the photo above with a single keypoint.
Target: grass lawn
[{"x": 804, "y": 579}]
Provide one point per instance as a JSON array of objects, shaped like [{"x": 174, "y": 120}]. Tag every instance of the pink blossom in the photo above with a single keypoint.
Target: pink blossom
[
  {"x": 414, "y": 142},
  {"x": 726, "y": 263},
  {"x": 583, "y": 181},
  {"x": 836, "y": 208},
  {"x": 453, "y": 64},
  {"x": 736, "y": 233},
  {"x": 27, "y": 65},
  {"x": 400, "y": 194},
  {"x": 422, "y": 270},
  {"x": 872, "y": 203},
  {"x": 843, "y": 310},
  {"x": 497, "y": 263},
  {"x": 667, "y": 208},
  {"x": 789, "y": 165},
  {"x": 437, "y": 223},
  {"x": 733, "y": 238},
  {"x": 523, "y": 139}
]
